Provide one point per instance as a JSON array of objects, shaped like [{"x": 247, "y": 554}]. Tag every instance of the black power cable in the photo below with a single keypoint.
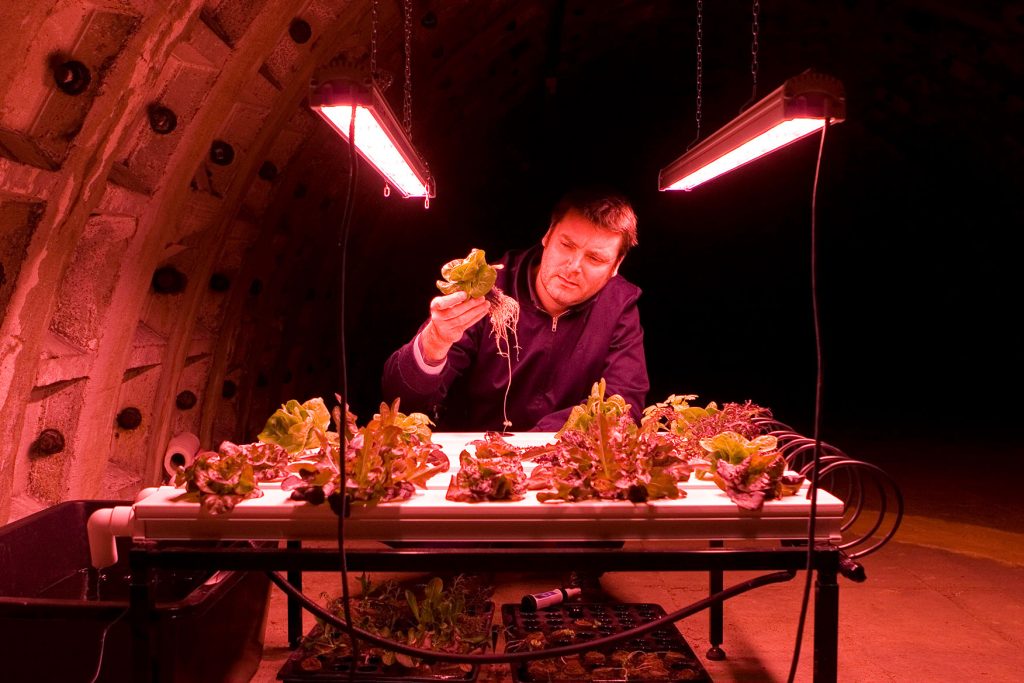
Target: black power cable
[
  {"x": 512, "y": 657},
  {"x": 103, "y": 644},
  {"x": 342, "y": 510},
  {"x": 819, "y": 383}
]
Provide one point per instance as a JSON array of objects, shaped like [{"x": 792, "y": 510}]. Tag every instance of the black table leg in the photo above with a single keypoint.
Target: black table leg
[
  {"x": 826, "y": 617},
  {"x": 716, "y": 581},
  {"x": 294, "y": 609},
  {"x": 141, "y": 605}
]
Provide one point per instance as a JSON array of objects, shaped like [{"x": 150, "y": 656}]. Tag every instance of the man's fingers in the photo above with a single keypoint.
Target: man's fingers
[
  {"x": 475, "y": 312},
  {"x": 444, "y": 308},
  {"x": 463, "y": 315},
  {"x": 440, "y": 303},
  {"x": 451, "y": 322}
]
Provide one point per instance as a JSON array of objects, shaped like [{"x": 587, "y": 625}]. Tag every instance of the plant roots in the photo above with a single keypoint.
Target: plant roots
[{"x": 504, "y": 313}]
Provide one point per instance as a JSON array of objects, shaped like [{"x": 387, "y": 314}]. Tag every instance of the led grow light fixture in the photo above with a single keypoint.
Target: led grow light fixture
[
  {"x": 792, "y": 111},
  {"x": 380, "y": 138}
]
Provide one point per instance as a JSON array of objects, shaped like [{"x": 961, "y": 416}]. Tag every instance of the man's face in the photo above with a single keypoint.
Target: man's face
[{"x": 578, "y": 260}]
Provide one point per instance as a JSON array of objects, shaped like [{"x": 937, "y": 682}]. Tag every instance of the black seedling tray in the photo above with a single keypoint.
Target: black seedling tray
[
  {"x": 336, "y": 669},
  {"x": 665, "y": 652}
]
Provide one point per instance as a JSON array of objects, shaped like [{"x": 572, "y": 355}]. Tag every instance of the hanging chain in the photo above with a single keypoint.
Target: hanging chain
[
  {"x": 700, "y": 69},
  {"x": 407, "y": 93},
  {"x": 755, "y": 28},
  {"x": 373, "y": 40}
]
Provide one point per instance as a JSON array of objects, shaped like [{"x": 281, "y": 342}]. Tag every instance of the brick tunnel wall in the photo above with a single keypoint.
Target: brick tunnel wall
[{"x": 154, "y": 165}]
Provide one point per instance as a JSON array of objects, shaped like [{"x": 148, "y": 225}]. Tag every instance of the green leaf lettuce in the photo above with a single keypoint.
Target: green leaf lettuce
[
  {"x": 471, "y": 275},
  {"x": 294, "y": 425}
]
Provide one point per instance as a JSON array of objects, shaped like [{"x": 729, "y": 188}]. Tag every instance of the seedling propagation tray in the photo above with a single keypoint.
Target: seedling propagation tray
[
  {"x": 661, "y": 655},
  {"x": 338, "y": 670},
  {"x": 335, "y": 667}
]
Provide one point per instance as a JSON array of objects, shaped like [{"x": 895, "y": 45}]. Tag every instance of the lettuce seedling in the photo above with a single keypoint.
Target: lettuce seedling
[
  {"x": 474, "y": 276},
  {"x": 218, "y": 482},
  {"x": 471, "y": 275},
  {"x": 295, "y": 426},
  {"x": 749, "y": 471},
  {"x": 453, "y": 618},
  {"x": 497, "y": 477},
  {"x": 604, "y": 454}
]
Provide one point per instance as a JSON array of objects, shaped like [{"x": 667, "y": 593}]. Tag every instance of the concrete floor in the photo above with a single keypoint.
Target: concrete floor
[{"x": 944, "y": 601}]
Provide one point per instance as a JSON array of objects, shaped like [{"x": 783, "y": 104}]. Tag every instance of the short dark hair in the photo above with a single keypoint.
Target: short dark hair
[{"x": 603, "y": 207}]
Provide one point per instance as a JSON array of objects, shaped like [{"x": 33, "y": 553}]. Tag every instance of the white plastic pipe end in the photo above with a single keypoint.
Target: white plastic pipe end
[{"x": 103, "y": 528}]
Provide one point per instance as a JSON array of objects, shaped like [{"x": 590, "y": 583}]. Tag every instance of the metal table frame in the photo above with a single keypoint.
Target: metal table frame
[{"x": 295, "y": 559}]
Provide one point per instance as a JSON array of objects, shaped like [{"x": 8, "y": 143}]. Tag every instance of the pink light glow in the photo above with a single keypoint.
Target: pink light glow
[
  {"x": 773, "y": 138},
  {"x": 376, "y": 147}
]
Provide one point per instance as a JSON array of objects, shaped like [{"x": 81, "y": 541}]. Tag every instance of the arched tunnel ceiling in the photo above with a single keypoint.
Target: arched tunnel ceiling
[{"x": 170, "y": 207}]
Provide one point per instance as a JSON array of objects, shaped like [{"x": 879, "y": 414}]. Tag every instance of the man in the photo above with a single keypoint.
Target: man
[{"x": 578, "y": 323}]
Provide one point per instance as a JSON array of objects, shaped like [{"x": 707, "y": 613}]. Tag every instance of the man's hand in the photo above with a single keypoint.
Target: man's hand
[{"x": 450, "y": 317}]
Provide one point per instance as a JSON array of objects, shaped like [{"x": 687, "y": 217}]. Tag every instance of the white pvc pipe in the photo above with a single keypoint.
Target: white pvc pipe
[
  {"x": 181, "y": 451},
  {"x": 103, "y": 528},
  {"x": 146, "y": 492}
]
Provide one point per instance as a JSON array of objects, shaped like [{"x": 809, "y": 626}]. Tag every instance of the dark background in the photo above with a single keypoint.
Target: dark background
[{"x": 919, "y": 202}]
